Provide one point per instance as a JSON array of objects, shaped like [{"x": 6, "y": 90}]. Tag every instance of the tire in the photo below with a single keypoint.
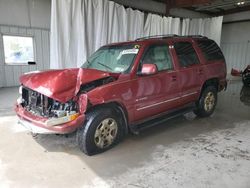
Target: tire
[
  {"x": 94, "y": 137},
  {"x": 206, "y": 104}
]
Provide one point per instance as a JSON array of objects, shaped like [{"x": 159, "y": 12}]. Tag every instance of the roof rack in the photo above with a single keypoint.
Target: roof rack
[
  {"x": 156, "y": 37},
  {"x": 168, "y": 36},
  {"x": 195, "y": 36}
]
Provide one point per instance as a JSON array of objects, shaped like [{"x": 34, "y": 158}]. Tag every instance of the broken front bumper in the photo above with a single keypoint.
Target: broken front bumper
[{"x": 37, "y": 124}]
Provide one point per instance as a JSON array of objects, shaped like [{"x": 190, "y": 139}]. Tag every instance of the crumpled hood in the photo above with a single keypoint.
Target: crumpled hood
[{"x": 61, "y": 85}]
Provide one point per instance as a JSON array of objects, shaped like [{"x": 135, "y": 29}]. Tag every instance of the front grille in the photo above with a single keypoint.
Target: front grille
[
  {"x": 44, "y": 106},
  {"x": 36, "y": 102}
]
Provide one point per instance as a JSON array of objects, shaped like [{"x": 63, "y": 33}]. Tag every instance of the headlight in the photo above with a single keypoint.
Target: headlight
[
  {"x": 20, "y": 90},
  {"x": 57, "y": 121}
]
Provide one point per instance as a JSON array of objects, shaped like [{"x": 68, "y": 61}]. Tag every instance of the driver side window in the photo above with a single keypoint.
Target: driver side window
[{"x": 158, "y": 55}]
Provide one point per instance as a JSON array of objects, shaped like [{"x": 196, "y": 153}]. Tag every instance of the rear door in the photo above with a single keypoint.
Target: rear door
[
  {"x": 160, "y": 92},
  {"x": 190, "y": 70}
]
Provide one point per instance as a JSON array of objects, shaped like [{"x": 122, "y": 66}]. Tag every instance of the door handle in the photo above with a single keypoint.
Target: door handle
[
  {"x": 200, "y": 71},
  {"x": 174, "y": 78}
]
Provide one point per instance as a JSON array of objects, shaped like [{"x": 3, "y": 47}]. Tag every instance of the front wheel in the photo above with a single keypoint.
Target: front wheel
[
  {"x": 206, "y": 104},
  {"x": 102, "y": 130}
]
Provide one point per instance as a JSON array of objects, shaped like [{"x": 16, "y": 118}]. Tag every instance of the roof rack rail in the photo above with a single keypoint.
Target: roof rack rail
[
  {"x": 196, "y": 36},
  {"x": 156, "y": 37}
]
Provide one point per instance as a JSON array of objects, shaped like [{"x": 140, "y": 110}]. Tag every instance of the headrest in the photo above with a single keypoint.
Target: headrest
[{"x": 159, "y": 54}]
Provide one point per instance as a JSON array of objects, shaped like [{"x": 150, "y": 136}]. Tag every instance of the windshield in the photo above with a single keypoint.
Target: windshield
[{"x": 115, "y": 59}]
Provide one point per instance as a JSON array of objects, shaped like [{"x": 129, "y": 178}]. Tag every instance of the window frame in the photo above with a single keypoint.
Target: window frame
[
  {"x": 196, "y": 54},
  {"x": 146, "y": 51},
  {"x": 18, "y": 35},
  {"x": 132, "y": 62},
  {"x": 204, "y": 53}
]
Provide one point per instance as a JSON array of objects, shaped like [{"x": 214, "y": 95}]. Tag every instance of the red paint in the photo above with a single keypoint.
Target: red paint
[
  {"x": 140, "y": 96},
  {"x": 82, "y": 103},
  {"x": 235, "y": 72},
  {"x": 61, "y": 85}
]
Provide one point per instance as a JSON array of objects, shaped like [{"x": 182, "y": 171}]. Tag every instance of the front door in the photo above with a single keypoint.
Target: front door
[{"x": 159, "y": 92}]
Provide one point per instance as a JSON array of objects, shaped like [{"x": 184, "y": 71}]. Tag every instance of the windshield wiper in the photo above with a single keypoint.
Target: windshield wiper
[{"x": 105, "y": 66}]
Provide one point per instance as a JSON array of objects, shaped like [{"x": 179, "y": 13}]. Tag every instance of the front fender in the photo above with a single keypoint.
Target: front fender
[{"x": 84, "y": 100}]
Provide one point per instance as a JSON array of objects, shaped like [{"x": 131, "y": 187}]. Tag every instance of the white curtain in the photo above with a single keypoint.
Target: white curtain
[
  {"x": 158, "y": 25},
  {"x": 209, "y": 27},
  {"x": 78, "y": 28}
]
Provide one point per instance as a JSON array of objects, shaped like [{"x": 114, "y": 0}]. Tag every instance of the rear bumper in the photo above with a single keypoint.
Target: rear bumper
[{"x": 37, "y": 124}]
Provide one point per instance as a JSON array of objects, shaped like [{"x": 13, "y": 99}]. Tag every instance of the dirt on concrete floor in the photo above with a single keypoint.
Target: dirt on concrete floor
[{"x": 183, "y": 152}]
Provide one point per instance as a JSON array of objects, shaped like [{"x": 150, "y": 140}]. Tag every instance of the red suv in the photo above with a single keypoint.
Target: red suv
[{"x": 124, "y": 87}]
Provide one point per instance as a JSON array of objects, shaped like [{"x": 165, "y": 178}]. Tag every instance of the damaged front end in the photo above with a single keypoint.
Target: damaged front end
[
  {"x": 43, "y": 106},
  {"x": 52, "y": 106},
  {"x": 44, "y": 115}
]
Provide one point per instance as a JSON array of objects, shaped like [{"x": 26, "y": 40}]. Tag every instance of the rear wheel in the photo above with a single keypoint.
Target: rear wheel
[
  {"x": 102, "y": 130},
  {"x": 207, "y": 102}
]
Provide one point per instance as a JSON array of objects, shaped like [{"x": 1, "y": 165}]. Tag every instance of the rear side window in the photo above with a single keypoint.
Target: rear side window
[
  {"x": 211, "y": 50},
  {"x": 186, "y": 54}
]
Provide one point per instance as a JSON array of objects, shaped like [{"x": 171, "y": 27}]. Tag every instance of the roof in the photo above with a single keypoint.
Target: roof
[
  {"x": 169, "y": 36},
  {"x": 149, "y": 39}
]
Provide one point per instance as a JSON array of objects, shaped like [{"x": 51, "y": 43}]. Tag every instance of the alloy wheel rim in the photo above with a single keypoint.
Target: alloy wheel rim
[
  {"x": 105, "y": 133},
  {"x": 209, "y": 101}
]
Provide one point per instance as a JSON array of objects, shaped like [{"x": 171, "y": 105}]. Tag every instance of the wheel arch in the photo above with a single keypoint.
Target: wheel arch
[
  {"x": 210, "y": 82},
  {"x": 120, "y": 108}
]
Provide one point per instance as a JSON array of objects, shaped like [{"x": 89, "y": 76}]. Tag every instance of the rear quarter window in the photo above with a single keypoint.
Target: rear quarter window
[
  {"x": 186, "y": 54},
  {"x": 211, "y": 50}
]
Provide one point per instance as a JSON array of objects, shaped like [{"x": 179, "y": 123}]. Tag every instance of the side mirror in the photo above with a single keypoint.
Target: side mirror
[{"x": 148, "y": 69}]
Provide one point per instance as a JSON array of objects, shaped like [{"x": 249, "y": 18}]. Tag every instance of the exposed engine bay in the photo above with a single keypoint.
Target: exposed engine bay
[
  {"x": 41, "y": 105},
  {"x": 92, "y": 85},
  {"x": 44, "y": 106}
]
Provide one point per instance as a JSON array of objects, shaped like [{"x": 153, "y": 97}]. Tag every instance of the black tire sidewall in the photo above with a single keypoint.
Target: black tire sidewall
[{"x": 85, "y": 134}]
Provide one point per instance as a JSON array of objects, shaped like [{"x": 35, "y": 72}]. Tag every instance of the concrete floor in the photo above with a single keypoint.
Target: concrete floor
[{"x": 184, "y": 152}]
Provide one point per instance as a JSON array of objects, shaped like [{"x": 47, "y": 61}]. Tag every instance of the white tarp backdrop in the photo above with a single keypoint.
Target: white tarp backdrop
[
  {"x": 210, "y": 27},
  {"x": 79, "y": 27},
  {"x": 158, "y": 25}
]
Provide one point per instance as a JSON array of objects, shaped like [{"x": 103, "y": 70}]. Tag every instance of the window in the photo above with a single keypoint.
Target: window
[
  {"x": 158, "y": 55},
  {"x": 116, "y": 59},
  {"x": 211, "y": 50},
  {"x": 186, "y": 54},
  {"x": 18, "y": 49}
]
